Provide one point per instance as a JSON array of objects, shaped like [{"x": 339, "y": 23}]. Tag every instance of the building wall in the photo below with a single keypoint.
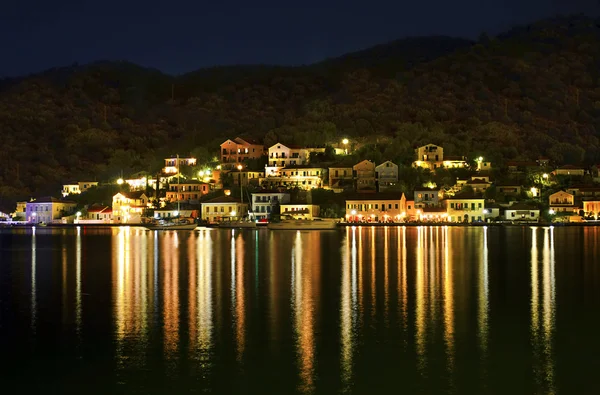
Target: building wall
[
  {"x": 386, "y": 174},
  {"x": 458, "y": 208},
  {"x": 126, "y": 210},
  {"x": 522, "y": 215},
  {"x": 217, "y": 212},
  {"x": 282, "y": 156},
  {"x": 337, "y": 174},
  {"x": 591, "y": 208},
  {"x": 300, "y": 211},
  {"x": 47, "y": 212},
  {"x": 376, "y": 210},
  {"x": 263, "y": 203},
  {"x": 430, "y": 153},
  {"x": 303, "y": 178},
  {"x": 234, "y": 152}
]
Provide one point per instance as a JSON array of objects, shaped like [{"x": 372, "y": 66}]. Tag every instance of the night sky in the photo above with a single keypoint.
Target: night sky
[{"x": 177, "y": 36}]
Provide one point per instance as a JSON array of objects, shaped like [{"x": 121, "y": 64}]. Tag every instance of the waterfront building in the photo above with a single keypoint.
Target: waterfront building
[
  {"x": 522, "y": 212},
  {"x": 376, "y": 207},
  {"x": 128, "y": 207},
  {"x": 96, "y": 214},
  {"x": 591, "y": 208},
  {"x": 48, "y": 209},
  {"x": 465, "y": 207},
  {"x": 223, "y": 208},
  {"x": 266, "y": 202},
  {"x": 562, "y": 201}
]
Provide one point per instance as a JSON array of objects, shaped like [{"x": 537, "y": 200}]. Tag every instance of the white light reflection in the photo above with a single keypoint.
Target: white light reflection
[
  {"x": 303, "y": 307},
  {"x": 421, "y": 319},
  {"x": 78, "y": 302},
  {"x": 33, "y": 280},
  {"x": 483, "y": 304},
  {"x": 543, "y": 325},
  {"x": 348, "y": 308}
]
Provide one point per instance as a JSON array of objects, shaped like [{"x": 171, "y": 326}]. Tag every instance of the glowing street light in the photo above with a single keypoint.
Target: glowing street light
[
  {"x": 345, "y": 142},
  {"x": 120, "y": 181},
  {"x": 201, "y": 173},
  {"x": 233, "y": 213},
  {"x": 240, "y": 167}
]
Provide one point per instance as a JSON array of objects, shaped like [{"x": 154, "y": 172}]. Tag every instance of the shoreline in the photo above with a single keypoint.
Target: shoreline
[{"x": 340, "y": 225}]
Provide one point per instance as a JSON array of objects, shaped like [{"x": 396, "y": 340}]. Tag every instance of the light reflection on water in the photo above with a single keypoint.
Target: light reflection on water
[{"x": 309, "y": 305}]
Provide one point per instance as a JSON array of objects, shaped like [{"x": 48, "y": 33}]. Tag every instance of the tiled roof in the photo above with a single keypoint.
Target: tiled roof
[
  {"x": 223, "y": 199},
  {"x": 376, "y": 196},
  {"x": 50, "y": 199},
  {"x": 522, "y": 206}
]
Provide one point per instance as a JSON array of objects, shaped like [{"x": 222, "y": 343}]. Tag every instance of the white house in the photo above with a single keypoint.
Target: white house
[
  {"x": 263, "y": 202},
  {"x": 96, "y": 215},
  {"x": 48, "y": 209},
  {"x": 386, "y": 175},
  {"x": 522, "y": 212},
  {"x": 303, "y": 177},
  {"x": 281, "y": 155},
  {"x": 75, "y": 188},
  {"x": 128, "y": 207}
]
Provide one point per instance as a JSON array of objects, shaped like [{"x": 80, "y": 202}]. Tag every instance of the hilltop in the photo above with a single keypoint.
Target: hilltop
[{"x": 528, "y": 92}]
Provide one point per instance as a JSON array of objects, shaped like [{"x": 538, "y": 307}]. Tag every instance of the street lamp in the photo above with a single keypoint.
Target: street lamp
[
  {"x": 345, "y": 142},
  {"x": 120, "y": 181}
]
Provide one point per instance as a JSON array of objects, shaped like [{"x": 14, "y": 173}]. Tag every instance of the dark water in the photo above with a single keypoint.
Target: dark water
[{"x": 366, "y": 310}]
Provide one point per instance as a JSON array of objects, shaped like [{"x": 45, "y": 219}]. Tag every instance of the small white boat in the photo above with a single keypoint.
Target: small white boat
[
  {"x": 304, "y": 224},
  {"x": 180, "y": 224}
]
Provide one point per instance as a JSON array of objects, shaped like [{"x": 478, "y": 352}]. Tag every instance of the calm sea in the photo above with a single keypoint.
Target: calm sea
[{"x": 415, "y": 310}]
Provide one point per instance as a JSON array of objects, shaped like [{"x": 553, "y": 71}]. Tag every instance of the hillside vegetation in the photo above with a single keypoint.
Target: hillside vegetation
[{"x": 532, "y": 91}]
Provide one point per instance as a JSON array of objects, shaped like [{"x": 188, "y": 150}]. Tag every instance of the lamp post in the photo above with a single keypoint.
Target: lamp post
[{"x": 345, "y": 142}]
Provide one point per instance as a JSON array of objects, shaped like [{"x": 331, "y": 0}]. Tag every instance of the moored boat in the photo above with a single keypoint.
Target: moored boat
[
  {"x": 304, "y": 224},
  {"x": 180, "y": 224},
  {"x": 238, "y": 224}
]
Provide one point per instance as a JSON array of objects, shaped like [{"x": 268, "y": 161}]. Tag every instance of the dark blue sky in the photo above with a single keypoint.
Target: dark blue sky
[{"x": 177, "y": 36}]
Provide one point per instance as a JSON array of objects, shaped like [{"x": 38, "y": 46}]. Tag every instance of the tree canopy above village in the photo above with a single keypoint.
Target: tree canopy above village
[{"x": 532, "y": 91}]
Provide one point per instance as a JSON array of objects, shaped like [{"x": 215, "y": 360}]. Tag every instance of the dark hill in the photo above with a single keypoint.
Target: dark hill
[{"x": 532, "y": 91}]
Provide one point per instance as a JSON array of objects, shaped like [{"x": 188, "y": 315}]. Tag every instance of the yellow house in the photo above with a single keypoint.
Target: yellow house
[
  {"x": 562, "y": 201},
  {"x": 223, "y": 208},
  {"x": 465, "y": 207},
  {"x": 376, "y": 207},
  {"x": 300, "y": 211},
  {"x": 128, "y": 207},
  {"x": 591, "y": 208}
]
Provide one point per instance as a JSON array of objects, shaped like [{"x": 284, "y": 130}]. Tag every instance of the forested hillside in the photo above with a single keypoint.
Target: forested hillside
[{"x": 532, "y": 91}]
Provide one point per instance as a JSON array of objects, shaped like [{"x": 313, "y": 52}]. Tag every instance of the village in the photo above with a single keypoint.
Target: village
[{"x": 307, "y": 183}]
